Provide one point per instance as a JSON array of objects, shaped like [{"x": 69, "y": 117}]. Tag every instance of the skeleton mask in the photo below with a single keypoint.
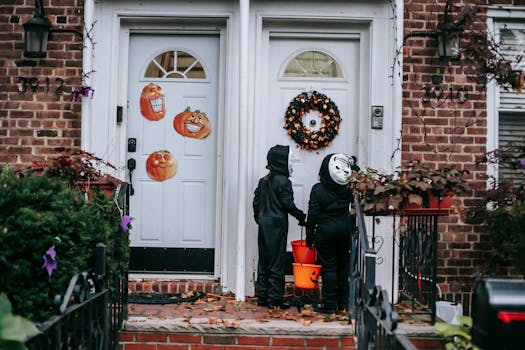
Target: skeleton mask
[{"x": 340, "y": 168}]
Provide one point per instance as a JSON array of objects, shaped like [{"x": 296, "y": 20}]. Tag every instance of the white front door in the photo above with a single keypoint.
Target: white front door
[
  {"x": 174, "y": 181},
  {"x": 326, "y": 65}
]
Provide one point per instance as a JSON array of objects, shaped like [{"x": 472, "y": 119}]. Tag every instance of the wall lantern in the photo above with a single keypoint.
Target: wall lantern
[
  {"x": 36, "y": 33},
  {"x": 447, "y": 35}
]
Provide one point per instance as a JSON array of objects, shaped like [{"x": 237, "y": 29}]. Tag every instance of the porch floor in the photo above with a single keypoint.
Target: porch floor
[
  {"x": 223, "y": 315},
  {"x": 214, "y": 314}
]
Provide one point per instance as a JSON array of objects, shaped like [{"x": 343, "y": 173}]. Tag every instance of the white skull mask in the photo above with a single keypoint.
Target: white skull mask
[
  {"x": 290, "y": 161},
  {"x": 340, "y": 168}
]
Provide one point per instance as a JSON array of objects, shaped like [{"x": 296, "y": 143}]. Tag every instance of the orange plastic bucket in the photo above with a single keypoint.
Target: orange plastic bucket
[
  {"x": 306, "y": 276},
  {"x": 301, "y": 253}
]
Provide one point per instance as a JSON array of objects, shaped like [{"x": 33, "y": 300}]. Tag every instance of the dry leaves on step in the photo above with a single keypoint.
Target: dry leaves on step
[
  {"x": 225, "y": 323},
  {"x": 211, "y": 308}
]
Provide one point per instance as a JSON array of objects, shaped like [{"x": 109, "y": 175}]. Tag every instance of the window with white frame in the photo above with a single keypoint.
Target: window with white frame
[{"x": 509, "y": 105}]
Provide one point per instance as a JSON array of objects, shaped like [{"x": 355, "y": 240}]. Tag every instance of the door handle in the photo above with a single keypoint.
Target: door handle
[{"x": 132, "y": 164}]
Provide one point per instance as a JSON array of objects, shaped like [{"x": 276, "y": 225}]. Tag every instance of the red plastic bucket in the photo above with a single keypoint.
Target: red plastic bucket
[
  {"x": 301, "y": 253},
  {"x": 306, "y": 276}
]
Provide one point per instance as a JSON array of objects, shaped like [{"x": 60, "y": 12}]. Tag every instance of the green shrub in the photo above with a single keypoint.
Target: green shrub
[{"x": 37, "y": 212}]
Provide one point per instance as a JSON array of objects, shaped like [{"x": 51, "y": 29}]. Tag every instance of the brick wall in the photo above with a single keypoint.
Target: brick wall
[
  {"x": 33, "y": 124},
  {"x": 449, "y": 129},
  {"x": 184, "y": 341}
]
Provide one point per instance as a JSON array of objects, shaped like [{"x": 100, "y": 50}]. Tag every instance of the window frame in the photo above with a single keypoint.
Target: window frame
[
  {"x": 498, "y": 18},
  {"x": 179, "y": 80}
]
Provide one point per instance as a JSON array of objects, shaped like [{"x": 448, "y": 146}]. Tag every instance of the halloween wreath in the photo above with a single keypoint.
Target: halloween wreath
[{"x": 308, "y": 138}]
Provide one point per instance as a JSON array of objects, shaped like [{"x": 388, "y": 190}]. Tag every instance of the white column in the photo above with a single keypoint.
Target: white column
[
  {"x": 87, "y": 67},
  {"x": 244, "y": 10}
]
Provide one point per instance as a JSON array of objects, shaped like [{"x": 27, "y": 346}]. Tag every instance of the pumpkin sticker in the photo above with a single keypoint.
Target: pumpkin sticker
[
  {"x": 161, "y": 166},
  {"x": 192, "y": 124},
  {"x": 152, "y": 104}
]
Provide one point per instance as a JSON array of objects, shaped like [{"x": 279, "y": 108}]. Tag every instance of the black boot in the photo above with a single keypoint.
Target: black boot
[
  {"x": 281, "y": 304},
  {"x": 325, "y": 309}
]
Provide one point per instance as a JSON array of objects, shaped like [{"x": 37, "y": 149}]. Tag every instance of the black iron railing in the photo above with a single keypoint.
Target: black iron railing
[
  {"x": 374, "y": 320},
  {"x": 90, "y": 315},
  {"x": 379, "y": 324},
  {"x": 418, "y": 262}
]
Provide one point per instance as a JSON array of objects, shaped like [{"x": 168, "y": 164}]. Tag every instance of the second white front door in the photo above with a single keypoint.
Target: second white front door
[{"x": 329, "y": 66}]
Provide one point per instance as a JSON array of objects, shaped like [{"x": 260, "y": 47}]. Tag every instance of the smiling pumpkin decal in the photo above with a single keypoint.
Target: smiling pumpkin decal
[
  {"x": 192, "y": 124},
  {"x": 152, "y": 104},
  {"x": 161, "y": 166}
]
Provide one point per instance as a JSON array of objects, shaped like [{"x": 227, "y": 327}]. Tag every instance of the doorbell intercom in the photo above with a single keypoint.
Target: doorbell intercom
[{"x": 377, "y": 117}]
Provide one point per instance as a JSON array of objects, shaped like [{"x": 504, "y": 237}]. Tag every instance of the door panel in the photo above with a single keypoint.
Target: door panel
[
  {"x": 179, "y": 212},
  {"x": 342, "y": 90}
]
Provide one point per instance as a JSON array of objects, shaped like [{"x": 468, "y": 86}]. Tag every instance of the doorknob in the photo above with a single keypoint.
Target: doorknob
[{"x": 132, "y": 164}]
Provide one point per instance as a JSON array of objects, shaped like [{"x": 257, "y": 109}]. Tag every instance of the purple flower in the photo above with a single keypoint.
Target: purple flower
[
  {"x": 82, "y": 90},
  {"x": 50, "y": 263},
  {"x": 522, "y": 163},
  {"x": 125, "y": 221}
]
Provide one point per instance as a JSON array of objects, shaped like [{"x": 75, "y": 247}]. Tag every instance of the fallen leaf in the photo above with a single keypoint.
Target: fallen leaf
[
  {"x": 307, "y": 313},
  {"x": 307, "y": 322}
]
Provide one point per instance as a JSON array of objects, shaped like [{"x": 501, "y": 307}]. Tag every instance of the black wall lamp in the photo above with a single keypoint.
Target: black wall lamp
[
  {"x": 37, "y": 31},
  {"x": 447, "y": 35}
]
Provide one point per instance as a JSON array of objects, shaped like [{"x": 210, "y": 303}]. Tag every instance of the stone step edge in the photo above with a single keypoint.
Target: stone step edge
[{"x": 251, "y": 327}]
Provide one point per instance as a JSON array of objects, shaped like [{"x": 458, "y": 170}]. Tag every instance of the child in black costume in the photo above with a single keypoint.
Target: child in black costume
[
  {"x": 273, "y": 201},
  {"x": 330, "y": 226}
]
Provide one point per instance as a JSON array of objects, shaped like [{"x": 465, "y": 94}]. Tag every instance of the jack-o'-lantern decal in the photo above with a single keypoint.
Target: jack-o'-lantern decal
[
  {"x": 152, "y": 104},
  {"x": 192, "y": 124},
  {"x": 161, "y": 166}
]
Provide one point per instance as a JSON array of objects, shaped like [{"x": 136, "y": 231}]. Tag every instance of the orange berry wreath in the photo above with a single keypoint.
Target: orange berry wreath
[{"x": 329, "y": 115}]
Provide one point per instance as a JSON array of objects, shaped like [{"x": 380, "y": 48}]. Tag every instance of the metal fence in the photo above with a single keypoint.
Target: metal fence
[
  {"x": 375, "y": 321},
  {"x": 418, "y": 263},
  {"x": 90, "y": 315}
]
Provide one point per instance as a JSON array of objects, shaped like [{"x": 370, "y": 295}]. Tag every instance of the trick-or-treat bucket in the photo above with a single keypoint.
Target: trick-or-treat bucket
[
  {"x": 301, "y": 253},
  {"x": 306, "y": 276}
]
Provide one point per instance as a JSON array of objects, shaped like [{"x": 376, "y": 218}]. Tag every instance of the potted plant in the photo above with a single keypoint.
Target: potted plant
[
  {"x": 410, "y": 186},
  {"x": 446, "y": 182},
  {"x": 81, "y": 170},
  {"x": 373, "y": 189}
]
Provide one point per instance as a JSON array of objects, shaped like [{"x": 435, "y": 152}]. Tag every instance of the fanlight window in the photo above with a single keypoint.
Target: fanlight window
[
  {"x": 313, "y": 64},
  {"x": 175, "y": 65}
]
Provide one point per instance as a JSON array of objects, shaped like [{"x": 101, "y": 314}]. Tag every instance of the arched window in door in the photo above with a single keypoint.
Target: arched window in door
[
  {"x": 175, "y": 64},
  {"x": 313, "y": 64}
]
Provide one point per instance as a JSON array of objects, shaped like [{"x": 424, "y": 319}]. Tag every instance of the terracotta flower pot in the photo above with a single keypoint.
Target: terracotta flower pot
[{"x": 441, "y": 202}]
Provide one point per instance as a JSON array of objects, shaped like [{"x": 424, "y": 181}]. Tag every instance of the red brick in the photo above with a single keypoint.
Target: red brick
[
  {"x": 173, "y": 347},
  {"x": 140, "y": 347},
  {"x": 152, "y": 337},
  {"x": 126, "y": 336},
  {"x": 322, "y": 341},
  {"x": 249, "y": 340},
  {"x": 184, "y": 338},
  {"x": 348, "y": 341},
  {"x": 288, "y": 341},
  {"x": 206, "y": 347}
]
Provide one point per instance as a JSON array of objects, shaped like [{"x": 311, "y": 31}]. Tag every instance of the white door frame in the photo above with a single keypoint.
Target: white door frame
[
  {"x": 268, "y": 26},
  {"x": 144, "y": 25}
]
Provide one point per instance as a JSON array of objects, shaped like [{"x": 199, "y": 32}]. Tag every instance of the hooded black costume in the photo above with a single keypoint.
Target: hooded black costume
[
  {"x": 330, "y": 227},
  {"x": 273, "y": 201}
]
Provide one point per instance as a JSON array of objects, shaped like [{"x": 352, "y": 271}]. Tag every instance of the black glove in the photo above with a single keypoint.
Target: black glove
[
  {"x": 302, "y": 219},
  {"x": 310, "y": 239}
]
